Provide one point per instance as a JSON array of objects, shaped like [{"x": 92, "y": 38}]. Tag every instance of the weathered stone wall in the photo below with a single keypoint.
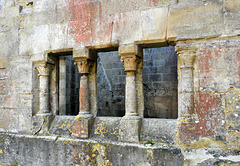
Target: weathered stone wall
[
  {"x": 49, "y": 150},
  {"x": 217, "y": 81},
  {"x": 204, "y": 33}
]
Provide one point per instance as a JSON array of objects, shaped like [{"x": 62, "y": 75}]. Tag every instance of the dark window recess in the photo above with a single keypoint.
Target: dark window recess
[
  {"x": 110, "y": 85},
  {"x": 72, "y": 86},
  {"x": 160, "y": 83}
]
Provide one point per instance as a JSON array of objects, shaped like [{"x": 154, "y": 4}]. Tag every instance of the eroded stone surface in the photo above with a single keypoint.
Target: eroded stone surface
[{"x": 30, "y": 31}]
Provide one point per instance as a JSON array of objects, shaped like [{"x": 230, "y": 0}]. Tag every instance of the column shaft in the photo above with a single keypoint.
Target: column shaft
[
  {"x": 186, "y": 58},
  {"x": 131, "y": 97},
  {"x": 187, "y": 92},
  {"x": 44, "y": 94},
  {"x": 84, "y": 95},
  {"x": 62, "y": 86}
]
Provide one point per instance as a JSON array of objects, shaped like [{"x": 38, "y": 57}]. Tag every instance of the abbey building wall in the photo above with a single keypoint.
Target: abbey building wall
[{"x": 196, "y": 120}]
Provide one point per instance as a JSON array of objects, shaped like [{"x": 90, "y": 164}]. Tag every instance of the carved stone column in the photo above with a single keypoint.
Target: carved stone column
[
  {"x": 131, "y": 123},
  {"x": 62, "y": 86},
  {"x": 186, "y": 58},
  {"x": 82, "y": 124},
  {"x": 44, "y": 68},
  {"x": 84, "y": 69},
  {"x": 130, "y": 64}
]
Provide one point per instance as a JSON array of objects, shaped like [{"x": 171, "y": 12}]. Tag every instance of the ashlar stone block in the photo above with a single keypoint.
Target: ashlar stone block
[
  {"x": 81, "y": 127},
  {"x": 129, "y": 130}
]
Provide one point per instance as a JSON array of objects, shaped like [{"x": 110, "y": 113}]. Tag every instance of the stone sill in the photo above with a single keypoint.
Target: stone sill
[{"x": 107, "y": 128}]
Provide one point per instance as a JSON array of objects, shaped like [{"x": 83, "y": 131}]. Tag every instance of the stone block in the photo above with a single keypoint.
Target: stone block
[
  {"x": 3, "y": 63},
  {"x": 127, "y": 28},
  {"x": 129, "y": 130},
  {"x": 83, "y": 53},
  {"x": 106, "y": 128},
  {"x": 205, "y": 21},
  {"x": 154, "y": 22},
  {"x": 81, "y": 127},
  {"x": 231, "y": 16},
  {"x": 62, "y": 125},
  {"x": 158, "y": 130},
  {"x": 41, "y": 124},
  {"x": 102, "y": 31},
  {"x": 128, "y": 49},
  {"x": 34, "y": 40}
]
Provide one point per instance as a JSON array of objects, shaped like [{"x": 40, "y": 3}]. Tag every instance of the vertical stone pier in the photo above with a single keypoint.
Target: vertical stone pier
[
  {"x": 62, "y": 86},
  {"x": 83, "y": 122},
  {"x": 130, "y": 124},
  {"x": 186, "y": 59}
]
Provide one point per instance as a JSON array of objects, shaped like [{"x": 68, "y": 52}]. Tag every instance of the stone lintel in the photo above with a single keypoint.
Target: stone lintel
[
  {"x": 130, "y": 129},
  {"x": 82, "y": 126}
]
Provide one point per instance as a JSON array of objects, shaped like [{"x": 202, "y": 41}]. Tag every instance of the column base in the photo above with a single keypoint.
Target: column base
[
  {"x": 130, "y": 128},
  {"x": 42, "y": 123},
  {"x": 44, "y": 114},
  {"x": 82, "y": 126}
]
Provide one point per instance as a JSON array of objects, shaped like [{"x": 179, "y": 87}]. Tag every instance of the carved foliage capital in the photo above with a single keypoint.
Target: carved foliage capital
[
  {"x": 130, "y": 63},
  {"x": 84, "y": 65},
  {"x": 186, "y": 57},
  {"x": 43, "y": 68}
]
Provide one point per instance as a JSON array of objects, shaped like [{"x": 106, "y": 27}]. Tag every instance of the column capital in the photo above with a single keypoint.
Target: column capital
[
  {"x": 186, "y": 56},
  {"x": 84, "y": 65},
  {"x": 130, "y": 63},
  {"x": 43, "y": 67},
  {"x": 129, "y": 54}
]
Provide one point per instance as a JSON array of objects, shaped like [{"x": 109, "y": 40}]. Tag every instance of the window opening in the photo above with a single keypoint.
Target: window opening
[
  {"x": 110, "y": 84},
  {"x": 160, "y": 82},
  {"x": 69, "y": 78}
]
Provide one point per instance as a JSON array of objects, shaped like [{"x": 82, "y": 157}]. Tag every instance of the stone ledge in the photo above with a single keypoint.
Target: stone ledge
[{"x": 53, "y": 150}]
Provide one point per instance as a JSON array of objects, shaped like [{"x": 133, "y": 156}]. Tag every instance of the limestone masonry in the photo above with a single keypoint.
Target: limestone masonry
[{"x": 120, "y": 82}]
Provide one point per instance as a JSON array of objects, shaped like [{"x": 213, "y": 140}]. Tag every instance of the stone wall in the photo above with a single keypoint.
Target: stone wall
[{"x": 205, "y": 35}]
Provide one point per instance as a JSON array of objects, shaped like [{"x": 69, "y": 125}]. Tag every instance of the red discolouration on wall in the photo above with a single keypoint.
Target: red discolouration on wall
[
  {"x": 88, "y": 25},
  {"x": 153, "y": 2},
  {"x": 219, "y": 67},
  {"x": 83, "y": 12},
  {"x": 210, "y": 116},
  {"x": 219, "y": 61},
  {"x": 205, "y": 58}
]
